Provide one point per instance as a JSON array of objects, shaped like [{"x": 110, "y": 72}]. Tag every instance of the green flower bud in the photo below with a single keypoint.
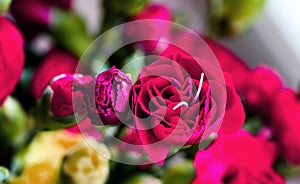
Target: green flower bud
[
  {"x": 179, "y": 173},
  {"x": 14, "y": 127},
  {"x": 4, "y": 175},
  {"x": 70, "y": 30},
  {"x": 85, "y": 164},
  {"x": 4, "y": 5},
  {"x": 125, "y": 8},
  {"x": 143, "y": 179},
  {"x": 230, "y": 17}
]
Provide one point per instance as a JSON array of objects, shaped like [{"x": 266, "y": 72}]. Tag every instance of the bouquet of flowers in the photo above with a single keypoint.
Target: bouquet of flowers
[{"x": 140, "y": 99}]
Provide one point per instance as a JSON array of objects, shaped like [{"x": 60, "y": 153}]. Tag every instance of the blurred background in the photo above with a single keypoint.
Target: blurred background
[{"x": 273, "y": 39}]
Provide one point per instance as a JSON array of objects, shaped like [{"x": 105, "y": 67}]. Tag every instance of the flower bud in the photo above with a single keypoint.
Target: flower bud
[
  {"x": 62, "y": 88},
  {"x": 229, "y": 17},
  {"x": 55, "y": 109},
  {"x": 107, "y": 97},
  {"x": 4, "y": 5},
  {"x": 85, "y": 164},
  {"x": 4, "y": 175},
  {"x": 13, "y": 124}
]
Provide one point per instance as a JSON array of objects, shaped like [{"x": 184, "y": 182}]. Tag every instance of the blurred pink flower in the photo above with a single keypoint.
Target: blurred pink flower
[
  {"x": 285, "y": 122},
  {"x": 237, "y": 159},
  {"x": 259, "y": 89},
  {"x": 11, "y": 57},
  {"x": 155, "y": 29},
  {"x": 34, "y": 16}
]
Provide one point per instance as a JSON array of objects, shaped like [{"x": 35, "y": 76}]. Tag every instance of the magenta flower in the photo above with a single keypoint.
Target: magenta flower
[
  {"x": 237, "y": 159},
  {"x": 107, "y": 97}
]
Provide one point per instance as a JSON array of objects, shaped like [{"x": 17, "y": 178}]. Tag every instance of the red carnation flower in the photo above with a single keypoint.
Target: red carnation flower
[{"x": 164, "y": 84}]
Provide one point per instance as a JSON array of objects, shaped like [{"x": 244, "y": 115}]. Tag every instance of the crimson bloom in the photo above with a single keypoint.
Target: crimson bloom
[
  {"x": 11, "y": 57},
  {"x": 237, "y": 159},
  {"x": 285, "y": 122},
  {"x": 164, "y": 84},
  {"x": 55, "y": 63}
]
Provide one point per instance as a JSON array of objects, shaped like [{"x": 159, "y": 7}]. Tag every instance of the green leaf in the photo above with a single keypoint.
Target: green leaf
[{"x": 253, "y": 125}]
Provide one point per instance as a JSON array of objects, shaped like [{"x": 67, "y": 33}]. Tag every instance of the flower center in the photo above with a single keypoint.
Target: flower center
[{"x": 195, "y": 98}]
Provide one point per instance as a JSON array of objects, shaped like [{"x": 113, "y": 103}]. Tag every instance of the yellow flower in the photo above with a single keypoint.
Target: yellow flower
[
  {"x": 62, "y": 157},
  {"x": 86, "y": 164},
  {"x": 42, "y": 159}
]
